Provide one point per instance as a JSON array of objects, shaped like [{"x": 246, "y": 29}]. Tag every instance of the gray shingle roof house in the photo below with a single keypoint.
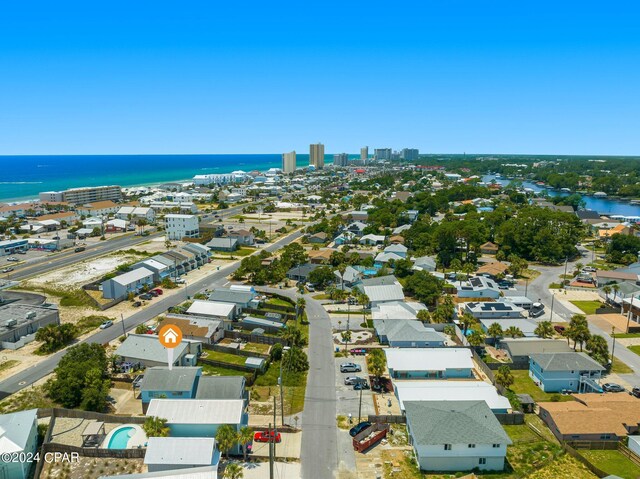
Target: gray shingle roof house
[
  {"x": 301, "y": 273},
  {"x": 572, "y": 371},
  {"x": 242, "y": 299},
  {"x": 407, "y": 333},
  {"x": 147, "y": 350},
  {"x": 520, "y": 349},
  {"x": 456, "y": 435},
  {"x": 221, "y": 387},
  {"x": 223, "y": 244},
  {"x": 566, "y": 361}
]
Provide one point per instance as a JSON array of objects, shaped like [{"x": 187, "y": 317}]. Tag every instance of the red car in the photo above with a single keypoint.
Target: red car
[
  {"x": 264, "y": 436},
  {"x": 559, "y": 329},
  {"x": 157, "y": 290}
]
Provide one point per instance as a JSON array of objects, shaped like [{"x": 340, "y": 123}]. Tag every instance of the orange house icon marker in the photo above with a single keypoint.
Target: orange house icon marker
[{"x": 170, "y": 336}]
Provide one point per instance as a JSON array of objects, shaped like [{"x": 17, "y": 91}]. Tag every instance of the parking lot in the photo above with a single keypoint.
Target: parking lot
[{"x": 349, "y": 399}]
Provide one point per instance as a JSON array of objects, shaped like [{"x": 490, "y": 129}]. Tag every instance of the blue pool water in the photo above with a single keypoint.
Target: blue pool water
[{"x": 120, "y": 438}]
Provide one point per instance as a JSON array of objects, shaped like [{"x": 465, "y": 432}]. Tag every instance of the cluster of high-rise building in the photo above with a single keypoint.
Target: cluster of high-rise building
[{"x": 316, "y": 157}]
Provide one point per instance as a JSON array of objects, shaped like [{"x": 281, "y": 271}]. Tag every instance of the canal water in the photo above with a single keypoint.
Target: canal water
[{"x": 604, "y": 206}]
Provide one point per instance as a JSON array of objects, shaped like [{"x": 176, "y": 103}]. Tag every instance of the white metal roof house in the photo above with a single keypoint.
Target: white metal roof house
[
  {"x": 527, "y": 326},
  {"x": 172, "y": 453},
  {"x": 18, "y": 434},
  {"x": 146, "y": 350},
  {"x": 456, "y": 435},
  {"x": 204, "y": 472},
  {"x": 383, "y": 293},
  {"x": 429, "y": 363},
  {"x": 213, "y": 309},
  {"x": 434, "y": 390},
  {"x": 479, "y": 287},
  {"x": 397, "y": 310}
]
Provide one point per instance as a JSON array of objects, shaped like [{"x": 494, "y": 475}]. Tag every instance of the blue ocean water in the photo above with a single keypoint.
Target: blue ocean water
[{"x": 23, "y": 177}]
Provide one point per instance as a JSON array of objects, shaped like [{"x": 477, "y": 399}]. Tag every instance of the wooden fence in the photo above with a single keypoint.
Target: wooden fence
[
  {"x": 78, "y": 414},
  {"x": 629, "y": 454},
  {"x": 514, "y": 419},
  {"x": 514, "y": 366},
  {"x": 254, "y": 338},
  {"x": 94, "y": 451},
  {"x": 580, "y": 458},
  {"x": 388, "y": 419},
  {"x": 221, "y": 364}
]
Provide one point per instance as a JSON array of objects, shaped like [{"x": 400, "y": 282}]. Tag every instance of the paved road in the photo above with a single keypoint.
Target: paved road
[
  {"x": 157, "y": 307},
  {"x": 69, "y": 256},
  {"x": 538, "y": 289},
  {"x": 319, "y": 453}
]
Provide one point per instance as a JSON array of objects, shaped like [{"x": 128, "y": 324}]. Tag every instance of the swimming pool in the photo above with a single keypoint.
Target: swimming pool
[{"x": 120, "y": 438}]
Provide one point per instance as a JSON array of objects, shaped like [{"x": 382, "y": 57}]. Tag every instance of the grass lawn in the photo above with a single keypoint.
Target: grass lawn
[
  {"x": 208, "y": 370},
  {"x": 620, "y": 368},
  {"x": 626, "y": 335},
  {"x": 294, "y": 386},
  {"x": 279, "y": 302},
  {"x": 587, "y": 307},
  {"x": 530, "y": 274},
  {"x": 68, "y": 297},
  {"x": 4, "y": 365},
  {"x": 320, "y": 296},
  {"x": 89, "y": 323},
  {"x": 243, "y": 251},
  {"x": 226, "y": 358},
  {"x": 635, "y": 349},
  {"x": 257, "y": 348},
  {"x": 524, "y": 384},
  {"x": 30, "y": 398},
  {"x": 613, "y": 462}
]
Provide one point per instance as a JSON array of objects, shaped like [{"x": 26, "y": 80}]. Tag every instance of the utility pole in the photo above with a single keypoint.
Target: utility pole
[
  {"x": 360, "y": 406},
  {"x": 566, "y": 261},
  {"x": 280, "y": 383},
  {"x": 553, "y": 297},
  {"x": 124, "y": 331},
  {"x": 613, "y": 346},
  {"x": 271, "y": 444},
  {"x": 275, "y": 427},
  {"x": 526, "y": 285}
]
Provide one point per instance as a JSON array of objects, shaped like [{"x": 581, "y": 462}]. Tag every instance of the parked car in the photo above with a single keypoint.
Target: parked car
[
  {"x": 613, "y": 388},
  {"x": 537, "y": 309},
  {"x": 179, "y": 281},
  {"x": 310, "y": 287},
  {"x": 106, "y": 324},
  {"x": 358, "y": 351},
  {"x": 504, "y": 285},
  {"x": 358, "y": 428},
  {"x": 145, "y": 296},
  {"x": 137, "y": 304},
  {"x": 350, "y": 368},
  {"x": 79, "y": 249},
  {"x": 21, "y": 252},
  {"x": 559, "y": 329},
  {"x": 12, "y": 258},
  {"x": 158, "y": 290},
  {"x": 361, "y": 385},
  {"x": 153, "y": 293},
  {"x": 351, "y": 380},
  {"x": 635, "y": 392},
  {"x": 589, "y": 269},
  {"x": 7, "y": 270},
  {"x": 267, "y": 436}
]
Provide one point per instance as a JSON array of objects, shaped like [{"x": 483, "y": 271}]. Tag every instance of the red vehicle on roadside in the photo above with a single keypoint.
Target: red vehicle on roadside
[
  {"x": 158, "y": 291},
  {"x": 267, "y": 436},
  {"x": 559, "y": 329}
]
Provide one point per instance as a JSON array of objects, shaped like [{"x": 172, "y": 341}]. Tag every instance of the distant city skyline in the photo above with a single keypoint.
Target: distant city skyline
[{"x": 205, "y": 78}]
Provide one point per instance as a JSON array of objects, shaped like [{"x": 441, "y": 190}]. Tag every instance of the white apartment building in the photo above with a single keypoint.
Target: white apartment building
[{"x": 181, "y": 226}]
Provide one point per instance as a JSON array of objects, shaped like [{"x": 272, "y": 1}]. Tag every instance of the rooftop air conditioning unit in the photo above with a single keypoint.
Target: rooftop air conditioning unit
[
  {"x": 31, "y": 315},
  {"x": 11, "y": 323}
]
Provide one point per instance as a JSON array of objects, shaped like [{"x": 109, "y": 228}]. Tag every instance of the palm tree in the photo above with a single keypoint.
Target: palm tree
[
  {"x": 226, "y": 438},
  {"x": 363, "y": 300},
  {"x": 514, "y": 332},
  {"x": 544, "y": 330},
  {"x": 476, "y": 338},
  {"x": 578, "y": 330},
  {"x": 155, "y": 427},
  {"x": 615, "y": 288},
  {"x": 467, "y": 320},
  {"x": 233, "y": 471},
  {"x": 504, "y": 377},
  {"x": 346, "y": 337},
  {"x": 495, "y": 331},
  {"x": 468, "y": 268},
  {"x": 300, "y": 305},
  {"x": 245, "y": 436},
  {"x": 607, "y": 291},
  {"x": 292, "y": 334}
]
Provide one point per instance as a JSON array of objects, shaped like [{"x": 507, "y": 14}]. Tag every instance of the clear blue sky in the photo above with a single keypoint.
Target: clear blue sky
[{"x": 445, "y": 76}]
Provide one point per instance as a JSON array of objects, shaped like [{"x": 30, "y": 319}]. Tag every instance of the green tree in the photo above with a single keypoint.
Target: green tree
[
  {"x": 293, "y": 335},
  {"x": 377, "y": 364},
  {"x": 578, "y": 330},
  {"x": 607, "y": 291},
  {"x": 598, "y": 349},
  {"x": 468, "y": 269},
  {"x": 276, "y": 352},
  {"x": 155, "y": 427},
  {"x": 301, "y": 303},
  {"x": 467, "y": 320},
  {"x": 544, "y": 330},
  {"x": 424, "y": 315},
  {"x": 455, "y": 265},
  {"x": 76, "y": 381},
  {"x": 495, "y": 331},
  {"x": 233, "y": 470},
  {"x": 295, "y": 360},
  {"x": 424, "y": 286},
  {"x": 517, "y": 265},
  {"x": 321, "y": 276},
  {"x": 55, "y": 336},
  {"x": 476, "y": 338},
  {"x": 513, "y": 332},
  {"x": 346, "y": 338},
  {"x": 245, "y": 436},
  {"x": 226, "y": 438},
  {"x": 504, "y": 377}
]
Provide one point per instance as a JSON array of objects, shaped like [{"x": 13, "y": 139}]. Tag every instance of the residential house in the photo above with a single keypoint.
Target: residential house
[
  {"x": 520, "y": 301},
  {"x": 160, "y": 382},
  {"x": 383, "y": 259},
  {"x": 320, "y": 256},
  {"x": 180, "y": 453},
  {"x": 318, "y": 238},
  {"x": 592, "y": 417},
  {"x": 382, "y": 289},
  {"x": 407, "y": 333},
  {"x": 115, "y": 226},
  {"x": 526, "y": 326},
  {"x": 198, "y": 328},
  {"x": 200, "y": 417},
  {"x": 489, "y": 248},
  {"x": 396, "y": 239},
  {"x": 493, "y": 270},
  {"x": 400, "y": 229},
  {"x": 227, "y": 244},
  {"x": 130, "y": 282},
  {"x": 344, "y": 238},
  {"x": 19, "y": 323},
  {"x": 455, "y": 435},
  {"x": 98, "y": 208},
  {"x": 434, "y": 363},
  {"x": 521, "y": 349},
  {"x": 356, "y": 228},
  {"x": 213, "y": 309},
  {"x": 437, "y": 390},
  {"x": 397, "y": 310},
  {"x": 181, "y": 226},
  {"x": 135, "y": 213},
  {"x": 493, "y": 310},
  {"x": 424, "y": 263},
  {"x": 397, "y": 249},
  {"x": 222, "y": 387},
  {"x": 244, "y": 237},
  {"x": 18, "y": 435},
  {"x": 242, "y": 298},
  {"x": 349, "y": 278},
  {"x": 359, "y": 215},
  {"x": 372, "y": 240},
  {"x": 572, "y": 371},
  {"x": 301, "y": 272},
  {"x": 479, "y": 287},
  {"x": 412, "y": 215},
  {"x": 146, "y": 350}
]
